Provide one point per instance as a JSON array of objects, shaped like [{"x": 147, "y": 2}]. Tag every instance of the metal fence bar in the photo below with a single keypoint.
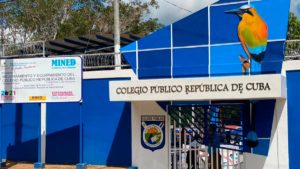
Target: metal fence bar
[
  {"x": 190, "y": 153},
  {"x": 227, "y": 157},
  {"x": 180, "y": 150},
  {"x": 170, "y": 141},
  {"x": 222, "y": 159},
  {"x": 100, "y": 61},
  {"x": 211, "y": 158},
  {"x": 217, "y": 158},
  {"x": 239, "y": 161},
  {"x": 174, "y": 145}
]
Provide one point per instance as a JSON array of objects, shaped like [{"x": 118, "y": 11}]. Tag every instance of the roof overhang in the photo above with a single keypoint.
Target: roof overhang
[{"x": 87, "y": 44}]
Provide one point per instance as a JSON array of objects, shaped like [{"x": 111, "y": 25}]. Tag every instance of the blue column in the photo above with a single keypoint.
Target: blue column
[
  {"x": 293, "y": 95},
  {"x": 2, "y": 163}
]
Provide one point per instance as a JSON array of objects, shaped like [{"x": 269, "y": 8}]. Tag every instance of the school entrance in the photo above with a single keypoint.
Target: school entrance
[
  {"x": 206, "y": 130},
  {"x": 206, "y": 136}
]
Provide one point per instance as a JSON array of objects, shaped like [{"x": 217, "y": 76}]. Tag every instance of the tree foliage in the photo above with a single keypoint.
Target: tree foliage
[
  {"x": 293, "y": 48},
  {"x": 52, "y": 19}
]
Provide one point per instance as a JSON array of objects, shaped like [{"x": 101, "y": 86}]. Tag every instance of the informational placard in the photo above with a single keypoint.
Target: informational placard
[
  {"x": 216, "y": 88},
  {"x": 53, "y": 79}
]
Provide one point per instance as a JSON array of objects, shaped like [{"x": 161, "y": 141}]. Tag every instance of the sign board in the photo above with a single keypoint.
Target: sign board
[
  {"x": 216, "y": 88},
  {"x": 55, "y": 79}
]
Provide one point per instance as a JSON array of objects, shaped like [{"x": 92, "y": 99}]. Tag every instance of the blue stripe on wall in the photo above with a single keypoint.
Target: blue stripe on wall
[{"x": 293, "y": 95}]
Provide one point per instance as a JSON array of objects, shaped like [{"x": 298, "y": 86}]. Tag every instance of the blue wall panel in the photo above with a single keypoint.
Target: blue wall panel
[
  {"x": 264, "y": 117},
  {"x": 155, "y": 64},
  {"x": 62, "y": 127},
  {"x": 278, "y": 9},
  {"x": 20, "y": 123},
  {"x": 197, "y": 58},
  {"x": 272, "y": 62},
  {"x": 262, "y": 147},
  {"x": 191, "y": 30},
  {"x": 158, "y": 39},
  {"x": 106, "y": 129},
  {"x": 227, "y": 1},
  {"x": 131, "y": 59},
  {"x": 293, "y": 95},
  {"x": 225, "y": 60},
  {"x": 224, "y": 28},
  {"x": 107, "y": 126}
]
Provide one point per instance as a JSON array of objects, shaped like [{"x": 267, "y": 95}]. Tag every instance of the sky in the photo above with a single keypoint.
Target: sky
[
  {"x": 295, "y": 7},
  {"x": 168, "y": 13}
]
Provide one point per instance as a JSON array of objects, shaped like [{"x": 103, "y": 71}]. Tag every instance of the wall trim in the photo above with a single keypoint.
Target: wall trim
[
  {"x": 109, "y": 74},
  {"x": 291, "y": 65}
]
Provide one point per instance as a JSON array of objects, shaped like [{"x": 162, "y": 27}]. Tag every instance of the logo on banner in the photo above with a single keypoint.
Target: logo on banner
[
  {"x": 153, "y": 132},
  {"x": 63, "y": 63}
]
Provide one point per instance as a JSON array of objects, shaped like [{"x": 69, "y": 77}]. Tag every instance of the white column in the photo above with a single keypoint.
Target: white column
[
  {"x": 117, "y": 35},
  {"x": 43, "y": 132}
]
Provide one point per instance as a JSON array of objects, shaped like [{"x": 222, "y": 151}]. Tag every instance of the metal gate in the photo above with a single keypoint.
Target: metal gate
[{"x": 206, "y": 136}]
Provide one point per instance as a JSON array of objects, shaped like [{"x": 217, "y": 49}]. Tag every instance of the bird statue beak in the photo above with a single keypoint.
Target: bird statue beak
[{"x": 234, "y": 11}]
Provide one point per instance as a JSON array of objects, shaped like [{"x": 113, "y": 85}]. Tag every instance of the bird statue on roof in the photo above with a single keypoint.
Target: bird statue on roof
[{"x": 253, "y": 34}]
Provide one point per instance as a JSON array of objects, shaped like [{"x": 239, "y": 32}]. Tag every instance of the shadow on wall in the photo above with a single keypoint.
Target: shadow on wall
[
  {"x": 20, "y": 125},
  {"x": 62, "y": 147},
  {"x": 63, "y": 144},
  {"x": 121, "y": 146},
  {"x": 106, "y": 127},
  {"x": 16, "y": 149}
]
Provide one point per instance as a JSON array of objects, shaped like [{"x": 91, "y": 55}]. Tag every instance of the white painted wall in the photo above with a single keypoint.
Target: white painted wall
[
  {"x": 141, "y": 157},
  {"x": 109, "y": 74}
]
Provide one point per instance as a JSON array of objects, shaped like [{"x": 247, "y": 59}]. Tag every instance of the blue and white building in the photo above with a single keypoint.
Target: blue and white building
[{"x": 184, "y": 94}]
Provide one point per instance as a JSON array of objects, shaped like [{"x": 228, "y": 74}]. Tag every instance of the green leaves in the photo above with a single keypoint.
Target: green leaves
[
  {"x": 35, "y": 20},
  {"x": 293, "y": 48},
  {"x": 294, "y": 27}
]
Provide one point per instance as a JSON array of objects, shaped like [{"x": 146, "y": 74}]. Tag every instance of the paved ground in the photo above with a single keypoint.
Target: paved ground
[{"x": 13, "y": 165}]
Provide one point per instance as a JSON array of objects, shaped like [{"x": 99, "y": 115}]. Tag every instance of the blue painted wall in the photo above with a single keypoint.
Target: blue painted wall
[
  {"x": 19, "y": 126},
  {"x": 264, "y": 115},
  {"x": 106, "y": 129},
  {"x": 293, "y": 95}
]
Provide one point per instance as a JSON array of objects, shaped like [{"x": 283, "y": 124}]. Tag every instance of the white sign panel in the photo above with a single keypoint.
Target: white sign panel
[
  {"x": 55, "y": 79},
  {"x": 217, "y": 88}
]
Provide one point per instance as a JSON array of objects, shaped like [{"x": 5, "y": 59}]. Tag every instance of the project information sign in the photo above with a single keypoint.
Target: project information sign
[
  {"x": 216, "y": 88},
  {"x": 54, "y": 79}
]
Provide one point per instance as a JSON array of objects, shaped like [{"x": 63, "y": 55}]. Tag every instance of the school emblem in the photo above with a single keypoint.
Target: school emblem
[{"x": 153, "y": 132}]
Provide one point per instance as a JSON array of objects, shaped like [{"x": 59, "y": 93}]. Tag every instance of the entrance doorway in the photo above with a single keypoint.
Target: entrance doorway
[{"x": 206, "y": 136}]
